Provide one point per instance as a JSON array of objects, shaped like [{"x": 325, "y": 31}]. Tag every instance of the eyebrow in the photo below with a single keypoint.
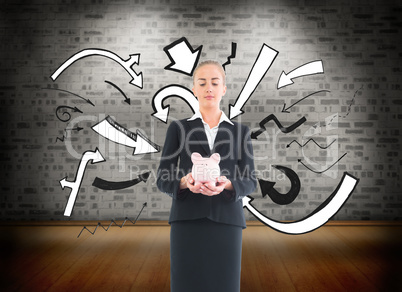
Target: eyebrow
[{"x": 203, "y": 79}]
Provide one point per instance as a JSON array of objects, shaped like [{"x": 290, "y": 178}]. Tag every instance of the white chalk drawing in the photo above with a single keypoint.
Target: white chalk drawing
[
  {"x": 183, "y": 58},
  {"x": 261, "y": 66},
  {"x": 113, "y": 222},
  {"x": 331, "y": 152},
  {"x": 95, "y": 157},
  {"x": 126, "y": 99},
  {"x": 318, "y": 217},
  {"x": 126, "y": 64},
  {"x": 111, "y": 130},
  {"x": 311, "y": 68},
  {"x": 285, "y": 109},
  {"x": 162, "y": 113},
  {"x": 231, "y": 56}
]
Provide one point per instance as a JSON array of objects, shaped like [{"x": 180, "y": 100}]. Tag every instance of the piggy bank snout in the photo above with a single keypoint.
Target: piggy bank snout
[{"x": 205, "y": 169}]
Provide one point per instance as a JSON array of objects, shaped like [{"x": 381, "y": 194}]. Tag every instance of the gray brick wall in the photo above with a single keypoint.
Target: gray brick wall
[{"x": 359, "y": 43}]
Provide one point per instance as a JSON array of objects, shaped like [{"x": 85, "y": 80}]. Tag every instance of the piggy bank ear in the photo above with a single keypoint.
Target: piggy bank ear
[
  {"x": 216, "y": 157},
  {"x": 196, "y": 157}
]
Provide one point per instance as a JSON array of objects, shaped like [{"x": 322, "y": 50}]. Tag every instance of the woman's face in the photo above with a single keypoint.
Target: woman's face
[{"x": 208, "y": 86}]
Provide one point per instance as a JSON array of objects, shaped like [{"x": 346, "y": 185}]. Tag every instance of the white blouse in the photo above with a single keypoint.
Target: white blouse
[{"x": 211, "y": 133}]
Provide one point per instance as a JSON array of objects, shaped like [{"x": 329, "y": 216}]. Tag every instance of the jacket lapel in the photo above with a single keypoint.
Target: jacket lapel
[{"x": 223, "y": 137}]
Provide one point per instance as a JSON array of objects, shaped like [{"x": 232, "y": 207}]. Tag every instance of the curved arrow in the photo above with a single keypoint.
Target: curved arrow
[
  {"x": 311, "y": 68},
  {"x": 318, "y": 217},
  {"x": 111, "y": 130},
  {"x": 75, "y": 185},
  {"x": 66, "y": 91},
  {"x": 75, "y": 109},
  {"x": 261, "y": 66},
  {"x": 182, "y": 92},
  {"x": 118, "y": 185},
  {"x": 267, "y": 187},
  {"x": 283, "y": 129},
  {"x": 183, "y": 58},
  {"x": 299, "y": 160},
  {"x": 285, "y": 110},
  {"x": 126, "y": 99},
  {"x": 126, "y": 64}
]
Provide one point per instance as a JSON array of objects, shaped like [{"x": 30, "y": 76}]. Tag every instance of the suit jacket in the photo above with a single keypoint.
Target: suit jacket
[{"x": 233, "y": 143}]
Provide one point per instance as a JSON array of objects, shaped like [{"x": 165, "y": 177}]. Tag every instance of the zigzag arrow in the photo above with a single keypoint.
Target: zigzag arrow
[
  {"x": 113, "y": 222},
  {"x": 286, "y": 130},
  {"x": 309, "y": 140},
  {"x": 232, "y": 55}
]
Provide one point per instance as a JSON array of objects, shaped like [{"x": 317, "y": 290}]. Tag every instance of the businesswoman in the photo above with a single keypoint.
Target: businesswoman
[{"x": 206, "y": 219}]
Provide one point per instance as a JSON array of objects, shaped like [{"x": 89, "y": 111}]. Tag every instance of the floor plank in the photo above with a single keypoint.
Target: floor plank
[{"x": 136, "y": 258}]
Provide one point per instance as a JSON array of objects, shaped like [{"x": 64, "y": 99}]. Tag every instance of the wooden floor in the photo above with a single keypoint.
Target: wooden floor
[{"x": 136, "y": 258}]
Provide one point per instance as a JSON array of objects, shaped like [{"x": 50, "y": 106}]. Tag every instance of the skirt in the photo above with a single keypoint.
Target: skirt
[{"x": 205, "y": 256}]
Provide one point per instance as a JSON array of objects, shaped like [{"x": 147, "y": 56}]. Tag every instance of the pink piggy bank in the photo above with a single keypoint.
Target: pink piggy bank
[{"x": 205, "y": 169}]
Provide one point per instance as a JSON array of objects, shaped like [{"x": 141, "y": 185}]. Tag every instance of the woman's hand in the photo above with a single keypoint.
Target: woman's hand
[
  {"x": 189, "y": 182},
  {"x": 213, "y": 189}
]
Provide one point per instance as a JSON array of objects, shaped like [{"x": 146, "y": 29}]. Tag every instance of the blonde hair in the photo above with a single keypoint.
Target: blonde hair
[{"x": 211, "y": 62}]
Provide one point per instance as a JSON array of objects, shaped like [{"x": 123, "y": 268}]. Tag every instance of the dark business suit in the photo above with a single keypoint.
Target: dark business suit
[
  {"x": 233, "y": 143},
  {"x": 189, "y": 210}
]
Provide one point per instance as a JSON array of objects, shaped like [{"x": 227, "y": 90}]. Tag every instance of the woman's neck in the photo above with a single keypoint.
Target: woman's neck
[{"x": 211, "y": 116}]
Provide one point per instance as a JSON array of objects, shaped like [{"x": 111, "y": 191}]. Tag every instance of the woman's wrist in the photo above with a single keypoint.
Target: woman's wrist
[
  {"x": 183, "y": 183},
  {"x": 229, "y": 186}
]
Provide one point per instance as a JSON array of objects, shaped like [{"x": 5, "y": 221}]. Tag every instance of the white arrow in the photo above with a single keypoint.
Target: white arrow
[
  {"x": 262, "y": 64},
  {"x": 126, "y": 64},
  {"x": 311, "y": 68},
  {"x": 111, "y": 130},
  {"x": 184, "y": 93},
  {"x": 184, "y": 59},
  {"x": 318, "y": 217},
  {"x": 75, "y": 185}
]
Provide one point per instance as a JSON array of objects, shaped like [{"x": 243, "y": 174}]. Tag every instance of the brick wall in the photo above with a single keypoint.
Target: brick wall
[{"x": 359, "y": 43}]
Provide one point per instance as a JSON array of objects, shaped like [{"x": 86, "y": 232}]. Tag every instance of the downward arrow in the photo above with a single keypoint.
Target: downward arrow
[
  {"x": 126, "y": 99},
  {"x": 311, "y": 68},
  {"x": 183, "y": 58},
  {"x": 262, "y": 64},
  {"x": 75, "y": 185}
]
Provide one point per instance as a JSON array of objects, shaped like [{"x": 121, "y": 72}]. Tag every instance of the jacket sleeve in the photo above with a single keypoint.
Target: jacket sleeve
[
  {"x": 168, "y": 176},
  {"x": 244, "y": 181}
]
